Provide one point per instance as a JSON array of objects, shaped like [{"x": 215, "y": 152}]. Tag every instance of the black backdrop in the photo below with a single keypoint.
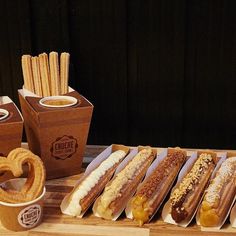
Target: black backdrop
[{"x": 159, "y": 72}]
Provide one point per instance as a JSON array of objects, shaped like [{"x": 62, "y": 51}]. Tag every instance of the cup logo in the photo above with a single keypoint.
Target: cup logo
[
  {"x": 30, "y": 216},
  {"x": 64, "y": 147}
]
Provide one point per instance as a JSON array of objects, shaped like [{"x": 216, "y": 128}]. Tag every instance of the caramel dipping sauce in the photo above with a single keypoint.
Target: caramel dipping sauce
[{"x": 56, "y": 102}]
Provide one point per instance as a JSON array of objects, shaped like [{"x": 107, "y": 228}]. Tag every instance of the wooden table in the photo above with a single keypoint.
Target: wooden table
[{"x": 54, "y": 223}]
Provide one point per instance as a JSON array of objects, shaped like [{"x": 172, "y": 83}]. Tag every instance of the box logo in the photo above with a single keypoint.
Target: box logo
[
  {"x": 64, "y": 147},
  {"x": 30, "y": 216}
]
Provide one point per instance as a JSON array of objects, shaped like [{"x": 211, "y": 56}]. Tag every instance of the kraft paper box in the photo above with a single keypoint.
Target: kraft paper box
[
  {"x": 11, "y": 126},
  {"x": 57, "y": 135}
]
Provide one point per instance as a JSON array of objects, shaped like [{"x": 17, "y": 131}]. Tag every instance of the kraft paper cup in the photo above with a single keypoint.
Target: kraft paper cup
[{"x": 21, "y": 216}]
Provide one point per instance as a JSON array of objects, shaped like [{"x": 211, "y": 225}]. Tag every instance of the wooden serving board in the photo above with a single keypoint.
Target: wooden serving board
[{"x": 55, "y": 223}]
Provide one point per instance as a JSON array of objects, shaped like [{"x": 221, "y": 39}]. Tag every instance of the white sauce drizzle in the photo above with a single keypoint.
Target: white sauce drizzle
[{"x": 90, "y": 181}]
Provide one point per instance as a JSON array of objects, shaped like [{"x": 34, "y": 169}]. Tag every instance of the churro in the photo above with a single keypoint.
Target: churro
[
  {"x": 36, "y": 76},
  {"x": 86, "y": 192},
  {"x": 64, "y": 71},
  {"x": 27, "y": 73},
  {"x": 152, "y": 191},
  {"x": 219, "y": 195},
  {"x": 118, "y": 191},
  {"x": 54, "y": 74},
  {"x": 186, "y": 196},
  {"x": 45, "y": 75},
  {"x": 34, "y": 184}
]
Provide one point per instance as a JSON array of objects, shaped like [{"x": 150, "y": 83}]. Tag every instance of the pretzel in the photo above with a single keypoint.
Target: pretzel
[{"x": 34, "y": 184}]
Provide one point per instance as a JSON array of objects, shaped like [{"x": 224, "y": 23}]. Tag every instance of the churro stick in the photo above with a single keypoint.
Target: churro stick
[
  {"x": 151, "y": 192},
  {"x": 36, "y": 179},
  {"x": 82, "y": 196},
  {"x": 186, "y": 196},
  {"x": 36, "y": 76},
  {"x": 64, "y": 71},
  {"x": 219, "y": 195},
  {"x": 54, "y": 73},
  {"x": 27, "y": 73},
  {"x": 45, "y": 75}
]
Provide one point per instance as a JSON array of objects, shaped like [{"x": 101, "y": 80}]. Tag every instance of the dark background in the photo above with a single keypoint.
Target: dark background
[{"x": 158, "y": 72}]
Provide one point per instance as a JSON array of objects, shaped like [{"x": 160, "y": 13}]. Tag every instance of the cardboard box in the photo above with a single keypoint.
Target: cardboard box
[
  {"x": 11, "y": 127},
  {"x": 57, "y": 135}
]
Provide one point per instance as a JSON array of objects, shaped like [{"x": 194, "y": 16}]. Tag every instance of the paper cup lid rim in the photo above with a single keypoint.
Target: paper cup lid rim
[
  {"x": 69, "y": 98},
  {"x": 24, "y": 203}
]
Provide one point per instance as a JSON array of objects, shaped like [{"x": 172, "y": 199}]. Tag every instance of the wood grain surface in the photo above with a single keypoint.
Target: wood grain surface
[{"x": 55, "y": 223}]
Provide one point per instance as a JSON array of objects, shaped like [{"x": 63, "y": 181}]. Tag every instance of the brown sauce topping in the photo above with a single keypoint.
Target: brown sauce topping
[{"x": 178, "y": 212}]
